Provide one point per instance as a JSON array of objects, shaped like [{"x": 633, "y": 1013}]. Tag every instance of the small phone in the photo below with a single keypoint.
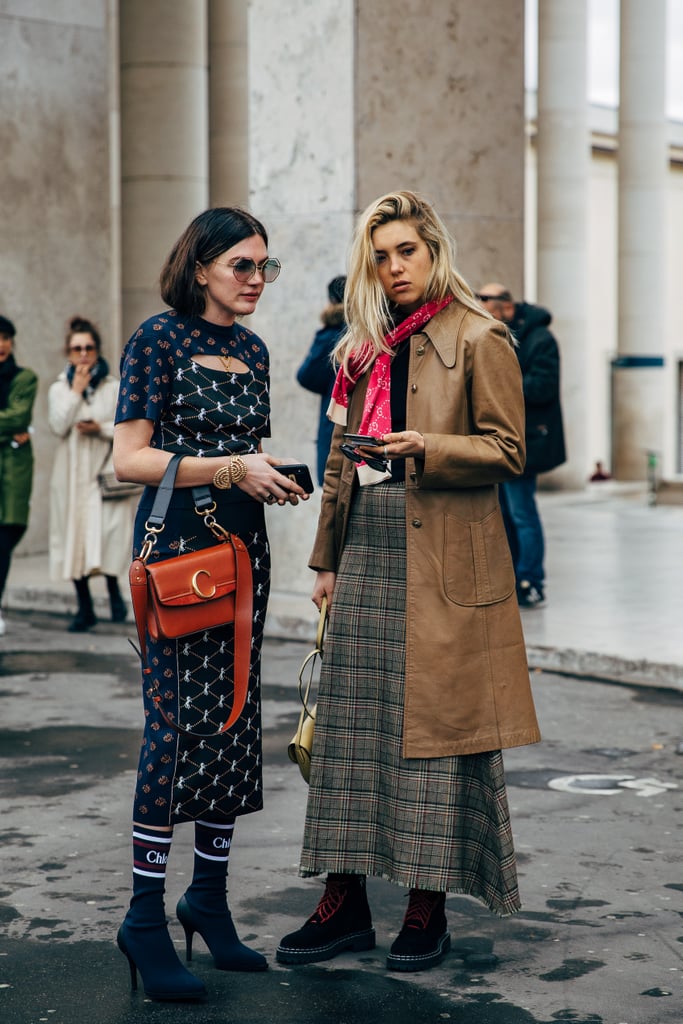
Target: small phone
[
  {"x": 364, "y": 439},
  {"x": 299, "y": 473}
]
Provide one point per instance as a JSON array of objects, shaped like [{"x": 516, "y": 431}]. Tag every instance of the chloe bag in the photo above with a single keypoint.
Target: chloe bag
[
  {"x": 193, "y": 592},
  {"x": 301, "y": 746}
]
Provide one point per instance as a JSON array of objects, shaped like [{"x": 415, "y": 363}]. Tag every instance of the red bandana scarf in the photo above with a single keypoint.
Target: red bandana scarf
[
  {"x": 377, "y": 410},
  {"x": 376, "y": 418}
]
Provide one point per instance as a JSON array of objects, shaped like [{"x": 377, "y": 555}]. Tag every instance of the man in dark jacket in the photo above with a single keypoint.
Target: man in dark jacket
[
  {"x": 539, "y": 359},
  {"x": 317, "y": 372}
]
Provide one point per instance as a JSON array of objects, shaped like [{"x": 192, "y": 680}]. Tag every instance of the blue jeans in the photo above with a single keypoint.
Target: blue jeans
[{"x": 524, "y": 529}]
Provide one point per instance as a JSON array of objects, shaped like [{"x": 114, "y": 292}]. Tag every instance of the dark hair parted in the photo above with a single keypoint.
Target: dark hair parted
[
  {"x": 7, "y": 327},
  {"x": 81, "y": 325},
  {"x": 209, "y": 235}
]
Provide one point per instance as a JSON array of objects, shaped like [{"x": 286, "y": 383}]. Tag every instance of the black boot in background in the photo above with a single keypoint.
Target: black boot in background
[
  {"x": 84, "y": 618},
  {"x": 118, "y": 608}
]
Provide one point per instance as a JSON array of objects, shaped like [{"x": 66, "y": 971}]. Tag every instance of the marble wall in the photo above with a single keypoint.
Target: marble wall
[
  {"x": 440, "y": 109},
  {"x": 54, "y": 200},
  {"x": 302, "y": 185}
]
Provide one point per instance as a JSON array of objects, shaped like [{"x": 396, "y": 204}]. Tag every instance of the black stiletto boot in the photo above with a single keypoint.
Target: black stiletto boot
[
  {"x": 144, "y": 940},
  {"x": 208, "y": 914}
]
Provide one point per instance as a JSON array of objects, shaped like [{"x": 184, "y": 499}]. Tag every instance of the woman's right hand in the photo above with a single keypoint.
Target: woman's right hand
[
  {"x": 324, "y": 587},
  {"x": 81, "y": 379},
  {"x": 264, "y": 483}
]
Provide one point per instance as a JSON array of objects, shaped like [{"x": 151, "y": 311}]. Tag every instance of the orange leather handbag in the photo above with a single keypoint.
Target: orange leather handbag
[{"x": 193, "y": 592}]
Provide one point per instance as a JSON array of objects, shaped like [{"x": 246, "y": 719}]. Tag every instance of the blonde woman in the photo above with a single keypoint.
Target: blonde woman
[{"x": 425, "y": 676}]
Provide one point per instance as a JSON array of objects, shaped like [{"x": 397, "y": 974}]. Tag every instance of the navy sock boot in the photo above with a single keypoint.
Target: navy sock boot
[
  {"x": 204, "y": 907},
  {"x": 143, "y": 937}
]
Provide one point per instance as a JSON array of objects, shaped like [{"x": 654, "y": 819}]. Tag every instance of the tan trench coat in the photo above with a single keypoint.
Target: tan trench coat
[
  {"x": 467, "y": 680},
  {"x": 87, "y": 535}
]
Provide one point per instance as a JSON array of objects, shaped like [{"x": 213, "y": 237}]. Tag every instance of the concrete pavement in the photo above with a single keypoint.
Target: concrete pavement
[
  {"x": 614, "y": 572},
  {"x": 596, "y": 813}
]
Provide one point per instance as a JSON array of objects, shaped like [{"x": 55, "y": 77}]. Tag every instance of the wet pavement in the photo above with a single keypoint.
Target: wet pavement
[{"x": 597, "y": 811}]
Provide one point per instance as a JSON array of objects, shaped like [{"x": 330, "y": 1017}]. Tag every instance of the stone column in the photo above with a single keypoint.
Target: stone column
[
  {"x": 164, "y": 139},
  {"x": 638, "y": 370},
  {"x": 302, "y": 176},
  {"x": 562, "y": 236},
  {"x": 228, "y": 103},
  {"x": 114, "y": 96}
]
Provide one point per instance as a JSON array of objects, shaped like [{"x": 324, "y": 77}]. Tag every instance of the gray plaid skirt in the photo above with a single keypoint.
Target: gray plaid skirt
[{"x": 438, "y": 823}]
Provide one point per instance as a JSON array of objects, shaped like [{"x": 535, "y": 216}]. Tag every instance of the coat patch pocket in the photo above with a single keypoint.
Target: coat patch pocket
[{"x": 477, "y": 567}]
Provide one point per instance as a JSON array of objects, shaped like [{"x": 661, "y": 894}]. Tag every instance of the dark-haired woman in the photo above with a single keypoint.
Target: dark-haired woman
[
  {"x": 18, "y": 387},
  {"x": 195, "y": 382},
  {"x": 88, "y": 535}
]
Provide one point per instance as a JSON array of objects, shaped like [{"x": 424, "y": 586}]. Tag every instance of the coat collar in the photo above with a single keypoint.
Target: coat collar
[{"x": 443, "y": 331}]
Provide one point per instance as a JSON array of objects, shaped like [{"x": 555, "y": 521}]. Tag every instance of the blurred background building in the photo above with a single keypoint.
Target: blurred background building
[{"x": 122, "y": 119}]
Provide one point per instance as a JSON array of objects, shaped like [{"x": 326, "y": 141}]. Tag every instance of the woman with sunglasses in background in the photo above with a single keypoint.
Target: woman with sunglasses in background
[
  {"x": 195, "y": 382},
  {"x": 424, "y": 678},
  {"x": 88, "y": 536}
]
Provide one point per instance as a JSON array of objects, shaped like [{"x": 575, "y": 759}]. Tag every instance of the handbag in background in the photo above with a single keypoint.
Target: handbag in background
[{"x": 112, "y": 489}]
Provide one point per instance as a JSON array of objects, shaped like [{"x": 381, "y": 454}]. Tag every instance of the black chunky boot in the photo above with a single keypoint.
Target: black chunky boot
[
  {"x": 341, "y": 921},
  {"x": 423, "y": 940}
]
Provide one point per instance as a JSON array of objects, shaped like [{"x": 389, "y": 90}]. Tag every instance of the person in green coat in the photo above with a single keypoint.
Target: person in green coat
[{"x": 18, "y": 389}]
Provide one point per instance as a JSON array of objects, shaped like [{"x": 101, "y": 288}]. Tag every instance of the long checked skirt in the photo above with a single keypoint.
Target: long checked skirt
[
  {"x": 438, "y": 823},
  {"x": 213, "y": 777}
]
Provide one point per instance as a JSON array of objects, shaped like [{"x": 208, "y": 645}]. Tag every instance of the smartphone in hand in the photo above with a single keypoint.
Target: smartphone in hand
[
  {"x": 299, "y": 473},
  {"x": 364, "y": 439}
]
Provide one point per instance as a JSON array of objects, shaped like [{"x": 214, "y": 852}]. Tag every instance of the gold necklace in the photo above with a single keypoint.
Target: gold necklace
[{"x": 226, "y": 361}]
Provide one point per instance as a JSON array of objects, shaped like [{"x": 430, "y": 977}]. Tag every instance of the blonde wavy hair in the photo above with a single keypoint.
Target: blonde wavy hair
[{"x": 367, "y": 310}]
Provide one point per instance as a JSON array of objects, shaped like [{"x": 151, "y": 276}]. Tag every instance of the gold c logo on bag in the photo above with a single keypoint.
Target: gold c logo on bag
[{"x": 195, "y": 585}]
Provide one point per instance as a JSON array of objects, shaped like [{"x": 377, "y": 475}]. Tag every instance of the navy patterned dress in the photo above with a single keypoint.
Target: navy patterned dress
[{"x": 201, "y": 412}]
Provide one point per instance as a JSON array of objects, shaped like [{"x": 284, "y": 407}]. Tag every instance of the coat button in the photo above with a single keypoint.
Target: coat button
[
  {"x": 413, "y": 388},
  {"x": 417, "y": 523},
  {"x": 420, "y": 350}
]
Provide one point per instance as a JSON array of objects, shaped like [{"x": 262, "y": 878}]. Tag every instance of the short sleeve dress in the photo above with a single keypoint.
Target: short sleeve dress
[{"x": 206, "y": 413}]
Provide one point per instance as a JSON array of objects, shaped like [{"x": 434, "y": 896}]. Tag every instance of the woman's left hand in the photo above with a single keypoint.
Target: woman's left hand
[{"x": 397, "y": 446}]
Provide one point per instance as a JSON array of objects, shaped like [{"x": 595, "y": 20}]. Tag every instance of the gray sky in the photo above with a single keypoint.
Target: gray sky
[{"x": 603, "y": 52}]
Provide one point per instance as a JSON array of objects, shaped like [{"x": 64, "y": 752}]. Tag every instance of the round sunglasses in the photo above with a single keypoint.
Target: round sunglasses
[{"x": 244, "y": 269}]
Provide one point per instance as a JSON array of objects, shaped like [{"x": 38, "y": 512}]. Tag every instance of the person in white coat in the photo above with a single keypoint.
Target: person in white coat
[{"x": 88, "y": 535}]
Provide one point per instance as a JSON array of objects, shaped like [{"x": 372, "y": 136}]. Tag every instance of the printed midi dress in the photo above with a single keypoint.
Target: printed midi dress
[{"x": 200, "y": 412}]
